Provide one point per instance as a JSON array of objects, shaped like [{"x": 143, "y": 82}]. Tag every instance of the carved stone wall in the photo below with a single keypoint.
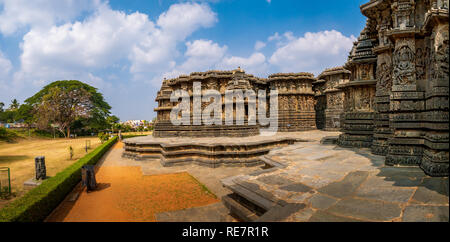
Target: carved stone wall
[
  {"x": 333, "y": 105},
  {"x": 321, "y": 102},
  {"x": 359, "y": 93},
  {"x": 295, "y": 100},
  {"x": 411, "y": 111},
  {"x": 295, "y": 103}
]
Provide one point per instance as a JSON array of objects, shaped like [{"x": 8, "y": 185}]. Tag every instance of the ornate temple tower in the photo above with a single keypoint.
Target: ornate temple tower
[
  {"x": 295, "y": 100},
  {"x": 357, "y": 119},
  {"x": 334, "y": 97},
  {"x": 220, "y": 81}
]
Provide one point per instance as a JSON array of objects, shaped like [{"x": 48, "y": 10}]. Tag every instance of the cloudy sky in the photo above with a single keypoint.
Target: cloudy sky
[{"x": 126, "y": 47}]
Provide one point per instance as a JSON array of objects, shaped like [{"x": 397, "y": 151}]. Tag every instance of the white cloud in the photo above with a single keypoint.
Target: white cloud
[
  {"x": 201, "y": 55},
  {"x": 159, "y": 48},
  {"x": 254, "y": 64},
  {"x": 259, "y": 45},
  {"x": 108, "y": 37},
  {"x": 5, "y": 69},
  {"x": 5, "y": 66},
  {"x": 312, "y": 53},
  {"x": 17, "y": 14},
  {"x": 274, "y": 37}
]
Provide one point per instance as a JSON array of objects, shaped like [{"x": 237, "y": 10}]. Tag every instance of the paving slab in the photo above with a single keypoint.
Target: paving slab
[
  {"x": 211, "y": 213},
  {"x": 347, "y": 186},
  {"x": 388, "y": 194},
  {"x": 275, "y": 180},
  {"x": 432, "y": 191},
  {"x": 323, "y": 202},
  {"x": 321, "y": 216},
  {"x": 364, "y": 209},
  {"x": 421, "y": 213},
  {"x": 280, "y": 213},
  {"x": 296, "y": 187}
]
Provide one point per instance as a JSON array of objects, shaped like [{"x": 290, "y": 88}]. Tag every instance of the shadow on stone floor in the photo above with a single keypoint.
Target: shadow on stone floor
[{"x": 405, "y": 176}]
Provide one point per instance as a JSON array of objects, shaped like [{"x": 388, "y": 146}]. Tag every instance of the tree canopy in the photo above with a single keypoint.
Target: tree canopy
[{"x": 99, "y": 111}]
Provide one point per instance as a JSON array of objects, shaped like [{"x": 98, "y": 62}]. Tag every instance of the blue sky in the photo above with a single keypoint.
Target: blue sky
[{"x": 125, "y": 48}]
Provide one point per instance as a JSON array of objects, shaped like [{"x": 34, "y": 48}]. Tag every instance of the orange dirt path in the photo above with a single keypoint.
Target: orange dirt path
[{"x": 124, "y": 194}]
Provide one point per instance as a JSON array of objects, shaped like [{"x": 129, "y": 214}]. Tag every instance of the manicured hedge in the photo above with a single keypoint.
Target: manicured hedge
[{"x": 39, "y": 202}]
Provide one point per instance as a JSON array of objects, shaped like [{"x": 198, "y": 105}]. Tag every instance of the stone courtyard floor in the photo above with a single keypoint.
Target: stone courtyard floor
[
  {"x": 315, "y": 182},
  {"x": 328, "y": 183}
]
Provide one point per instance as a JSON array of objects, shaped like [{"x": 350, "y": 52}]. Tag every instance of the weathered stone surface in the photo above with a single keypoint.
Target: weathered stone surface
[
  {"x": 275, "y": 180},
  {"x": 366, "y": 209},
  {"x": 347, "y": 186},
  {"x": 420, "y": 213},
  {"x": 322, "y": 216},
  {"x": 211, "y": 213},
  {"x": 386, "y": 193},
  {"x": 432, "y": 191},
  {"x": 296, "y": 187},
  {"x": 40, "y": 169},
  {"x": 321, "y": 201},
  {"x": 279, "y": 213}
]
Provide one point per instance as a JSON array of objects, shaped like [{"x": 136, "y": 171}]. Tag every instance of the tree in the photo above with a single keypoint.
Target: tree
[
  {"x": 61, "y": 107},
  {"x": 14, "y": 105},
  {"x": 112, "y": 120},
  {"x": 2, "y": 105},
  {"x": 98, "y": 113},
  {"x": 26, "y": 113}
]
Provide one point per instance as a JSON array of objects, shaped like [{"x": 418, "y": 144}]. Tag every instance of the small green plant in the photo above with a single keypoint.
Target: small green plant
[
  {"x": 5, "y": 194},
  {"x": 71, "y": 152},
  {"x": 103, "y": 137}
]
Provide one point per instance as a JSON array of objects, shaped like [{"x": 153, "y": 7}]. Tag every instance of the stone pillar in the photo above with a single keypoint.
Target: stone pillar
[
  {"x": 407, "y": 98},
  {"x": 435, "y": 159},
  {"x": 382, "y": 129},
  {"x": 41, "y": 171},
  {"x": 88, "y": 177}
]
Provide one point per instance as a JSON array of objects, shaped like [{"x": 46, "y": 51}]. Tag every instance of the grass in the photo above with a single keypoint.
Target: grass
[
  {"x": 204, "y": 188},
  {"x": 19, "y": 157}
]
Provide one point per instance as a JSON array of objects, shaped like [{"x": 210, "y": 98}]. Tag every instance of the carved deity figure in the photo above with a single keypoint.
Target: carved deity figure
[{"x": 403, "y": 65}]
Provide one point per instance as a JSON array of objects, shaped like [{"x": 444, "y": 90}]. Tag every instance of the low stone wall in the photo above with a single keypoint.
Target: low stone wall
[{"x": 211, "y": 153}]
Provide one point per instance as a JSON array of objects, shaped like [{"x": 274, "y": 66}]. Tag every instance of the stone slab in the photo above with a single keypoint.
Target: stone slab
[
  {"x": 420, "y": 213},
  {"x": 364, "y": 209},
  {"x": 347, "y": 186}
]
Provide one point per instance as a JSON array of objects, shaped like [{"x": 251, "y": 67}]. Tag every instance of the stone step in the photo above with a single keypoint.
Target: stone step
[{"x": 237, "y": 209}]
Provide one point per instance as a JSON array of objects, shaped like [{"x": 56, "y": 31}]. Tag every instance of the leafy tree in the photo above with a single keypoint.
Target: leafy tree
[
  {"x": 62, "y": 107},
  {"x": 112, "y": 120},
  {"x": 26, "y": 113},
  {"x": 9, "y": 116},
  {"x": 2, "y": 105},
  {"x": 14, "y": 105},
  {"x": 99, "y": 109}
]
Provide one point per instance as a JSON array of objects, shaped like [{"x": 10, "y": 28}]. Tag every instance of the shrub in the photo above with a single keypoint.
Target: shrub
[
  {"x": 103, "y": 137},
  {"x": 39, "y": 202},
  {"x": 7, "y": 135}
]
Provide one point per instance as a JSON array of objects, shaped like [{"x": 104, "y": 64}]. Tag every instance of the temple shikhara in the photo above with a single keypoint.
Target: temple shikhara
[{"x": 391, "y": 96}]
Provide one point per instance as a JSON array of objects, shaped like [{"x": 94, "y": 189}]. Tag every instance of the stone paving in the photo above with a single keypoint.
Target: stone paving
[{"x": 327, "y": 183}]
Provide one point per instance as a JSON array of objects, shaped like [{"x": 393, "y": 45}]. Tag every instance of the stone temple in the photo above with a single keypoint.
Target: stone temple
[{"x": 390, "y": 96}]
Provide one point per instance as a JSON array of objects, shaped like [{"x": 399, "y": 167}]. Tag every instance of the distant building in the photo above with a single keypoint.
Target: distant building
[{"x": 137, "y": 123}]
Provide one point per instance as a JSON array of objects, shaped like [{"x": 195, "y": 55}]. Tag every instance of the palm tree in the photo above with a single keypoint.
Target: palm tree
[{"x": 14, "y": 104}]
